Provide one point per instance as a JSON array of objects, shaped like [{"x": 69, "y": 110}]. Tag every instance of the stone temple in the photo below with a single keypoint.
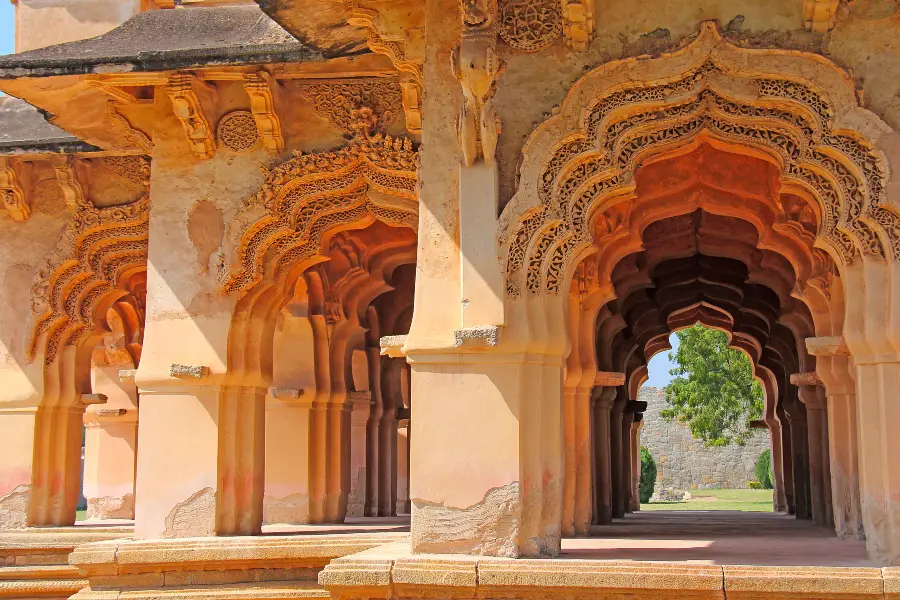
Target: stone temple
[{"x": 354, "y": 298}]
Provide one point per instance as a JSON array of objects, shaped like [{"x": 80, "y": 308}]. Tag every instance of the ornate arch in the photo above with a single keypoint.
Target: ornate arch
[
  {"x": 307, "y": 196},
  {"x": 582, "y": 160},
  {"x": 100, "y": 258}
]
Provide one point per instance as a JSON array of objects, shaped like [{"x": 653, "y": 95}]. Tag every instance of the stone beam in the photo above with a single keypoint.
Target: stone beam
[
  {"x": 805, "y": 379},
  {"x": 827, "y": 346},
  {"x": 186, "y": 93},
  {"x": 609, "y": 379}
]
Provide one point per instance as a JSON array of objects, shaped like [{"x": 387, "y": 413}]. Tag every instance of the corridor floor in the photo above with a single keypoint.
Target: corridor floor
[{"x": 719, "y": 538}]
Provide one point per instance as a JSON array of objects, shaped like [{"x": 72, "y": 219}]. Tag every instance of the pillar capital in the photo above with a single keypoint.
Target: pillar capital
[{"x": 827, "y": 346}]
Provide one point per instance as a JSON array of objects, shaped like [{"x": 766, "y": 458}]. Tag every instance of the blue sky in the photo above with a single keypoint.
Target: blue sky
[
  {"x": 6, "y": 27},
  {"x": 660, "y": 365}
]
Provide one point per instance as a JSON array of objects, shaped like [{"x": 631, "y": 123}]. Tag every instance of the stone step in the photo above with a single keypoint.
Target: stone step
[
  {"x": 270, "y": 590},
  {"x": 40, "y": 581}
]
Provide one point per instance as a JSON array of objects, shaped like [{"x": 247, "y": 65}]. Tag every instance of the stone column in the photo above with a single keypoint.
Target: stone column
[
  {"x": 111, "y": 445},
  {"x": 361, "y": 402},
  {"x": 627, "y": 462},
  {"x": 796, "y": 414},
  {"x": 403, "y": 453},
  {"x": 834, "y": 368},
  {"x": 787, "y": 460},
  {"x": 617, "y": 463},
  {"x": 17, "y": 428},
  {"x": 603, "y": 398},
  {"x": 817, "y": 422},
  {"x": 636, "y": 461},
  {"x": 392, "y": 397},
  {"x": 373, "y": 453}
]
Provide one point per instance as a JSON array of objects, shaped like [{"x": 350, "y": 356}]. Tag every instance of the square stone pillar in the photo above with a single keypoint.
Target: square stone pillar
[
  {"x": 488, "y": 480},
  {"x": 361, "y": 402},
  {"x": 403, "y": 454},
  {"x": 636, "y": 427},
  {"x": 288, "y": 423},
  {"x": 17, "y": 448}
]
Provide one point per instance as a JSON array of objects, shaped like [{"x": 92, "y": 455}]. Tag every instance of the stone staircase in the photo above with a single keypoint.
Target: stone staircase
[{"x": 34, "y": 563}]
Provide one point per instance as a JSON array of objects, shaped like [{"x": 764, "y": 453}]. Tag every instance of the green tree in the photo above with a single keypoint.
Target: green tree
[
  {"x": 714, "y": 392},
  {"x": 648, "y": 476},
  {"x": 764, "y": 470}
]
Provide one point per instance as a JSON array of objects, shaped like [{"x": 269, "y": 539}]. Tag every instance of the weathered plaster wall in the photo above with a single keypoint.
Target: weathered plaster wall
[
  {"x": 684, "y": 463},
  {"x": 42, "y": 23}
]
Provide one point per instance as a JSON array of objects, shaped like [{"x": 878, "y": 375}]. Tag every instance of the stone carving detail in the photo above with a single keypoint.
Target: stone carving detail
[
  {"x": 135, "y": 169},
  {"x": 340, "y": 100},
  {"x": 478, "y": 68},
  {"x": 73, "y": 192},
  {"x": 818, "y": 15},
  {"x": 11, "y": 192},
  {"x": 791, "y": 121},
  {"x": 578, "y": 24},
  {"x": 135, "y": 136},
  {"x": 183, "y": 92},
  {"x": 98, "y": 250},
  {"x": 237, "y": 131},
  {"x": 530, "y": 25},
  {"x": 259, "y": 86},
  {"x": 310, "y": 194}
]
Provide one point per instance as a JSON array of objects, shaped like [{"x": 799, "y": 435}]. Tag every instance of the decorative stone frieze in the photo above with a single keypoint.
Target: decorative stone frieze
[
  {"x": 66, "y": 176},
  {"x": 340, "y": 100},
  {"x": 530, "y": 25},
  {"x": 578, "y": 24},
  {"x": 134, "y": 168},
  {"x": 101, "y": 249},
  {"x": 188, "y": 371},
  {"x": 138, "y": 138}
]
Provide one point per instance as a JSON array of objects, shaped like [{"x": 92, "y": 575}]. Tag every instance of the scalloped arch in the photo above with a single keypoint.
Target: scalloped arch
[{"x": 797, "y": 109}]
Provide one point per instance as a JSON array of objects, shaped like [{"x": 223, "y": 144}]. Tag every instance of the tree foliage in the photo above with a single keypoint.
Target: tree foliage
[
  {"x": 648, "y": 476},
  {"x": 763, "y": 470},
  {"x": 714, "y": 392}
]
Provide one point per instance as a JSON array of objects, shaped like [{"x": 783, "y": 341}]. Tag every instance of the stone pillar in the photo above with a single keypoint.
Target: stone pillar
[
  {"x": 636, "y": 461},
  {"x": 796, "y": 414},
  {"x": 603, "y": 398},
  {"x": 392, "y": 397},
  {"x": 787, "y": 460},
  {"x": 110, "y": 449},
  {"x": 817, "y": 422},
  {"x": 779, "y": 498},
  {"x": 17, "y": 428},
  {"x": 361, "y": 402},
  {"x": 627, "y": 462},
  {"x": 834, "y": 368},
  {"x": 403, "y": 453},
  {"x": 617, "y": 464}
]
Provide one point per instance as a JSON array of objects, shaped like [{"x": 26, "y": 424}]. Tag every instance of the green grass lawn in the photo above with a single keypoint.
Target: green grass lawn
[
  {"x": 80, "y": 515},
  {"x": 748, "y": 500}
]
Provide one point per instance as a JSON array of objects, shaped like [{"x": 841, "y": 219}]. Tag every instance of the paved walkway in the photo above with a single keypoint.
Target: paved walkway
[{"x": 718, "y": 538}]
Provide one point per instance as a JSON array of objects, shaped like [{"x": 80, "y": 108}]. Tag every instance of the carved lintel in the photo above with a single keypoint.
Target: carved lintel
[
  {"x": 111, "y": 412},
  {"x": 392, "y": 346},
  {"x": 286, "y": 393},
  {"x": 88, "y": 399},
  {"x": 127, "y": 375},
  {"x": 478, "y": 336},
  {"x": 188, "y": 371},
  {"x": 185, "y": 92},
  {"x": 261, "y": 87},
  {"x": 805, "y": 379},
  {"x": 827, "y": 346},
  {"x": 578, "y": 24},
  {"x": 478, "y": 68},
  {"x": 67, "y": 178},
  {"x": 818, "y": 15},
  {"x": 609, "y": 379},
  {"x": 11, "y": 192}
]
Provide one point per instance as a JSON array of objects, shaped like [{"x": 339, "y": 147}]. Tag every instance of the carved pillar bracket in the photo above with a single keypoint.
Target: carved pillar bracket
[
  {"x": 261, "y": 88},
  {"x": 578, "y": 24},
  {"x": 12, "y": 193},
  {"x": 478, "y": 68},
  {"x": 805, "y": 379},
  {"x": 406, "y": 54},
  {"x": 186, "y": 93},
  {"x": 827, "y": 346},
  {"x": 609, "y": 379},
  {"x": 67, "y": 178},
  {"x": 818, "y": 15}
]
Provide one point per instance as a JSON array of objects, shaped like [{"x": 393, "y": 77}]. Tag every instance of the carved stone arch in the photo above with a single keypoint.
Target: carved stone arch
[{"x": 583, "y": 159}]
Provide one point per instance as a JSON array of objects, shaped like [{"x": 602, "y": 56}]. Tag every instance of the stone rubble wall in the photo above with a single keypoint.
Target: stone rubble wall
[{"x": 684, "y": 463}]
